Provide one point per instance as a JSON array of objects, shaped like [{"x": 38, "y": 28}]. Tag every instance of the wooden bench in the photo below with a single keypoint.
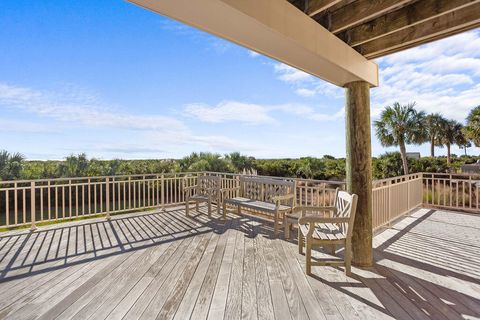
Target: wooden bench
[
  {"x": 206, "y": 190},
  {"x": 274, "y": 197}
]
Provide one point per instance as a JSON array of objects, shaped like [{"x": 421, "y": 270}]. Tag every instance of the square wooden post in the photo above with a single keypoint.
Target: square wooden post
[{"x": 359, "y": 168}]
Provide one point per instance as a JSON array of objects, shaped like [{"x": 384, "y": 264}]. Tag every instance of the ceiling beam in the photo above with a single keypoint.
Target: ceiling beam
[
  {"x": 276, "y": 29},
  {"x": 358, "y": 12},
  {"x": 405, "y": 17},
  {"x": 454, "y": 22},
  {"x": 317, "y": 6}
]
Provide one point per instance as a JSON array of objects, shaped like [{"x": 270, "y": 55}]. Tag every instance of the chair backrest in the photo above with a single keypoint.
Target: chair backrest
[
  {"x": 204, "y": 183},
  {"x": 346, "y": 205},
  {"x": 264, "y": 189}
]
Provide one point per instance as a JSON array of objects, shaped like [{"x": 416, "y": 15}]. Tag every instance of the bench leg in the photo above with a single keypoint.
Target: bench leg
[
  {"x": 333, "y": 249},
  {"x": 224, "y": 213},
  {"x": 275, "y": 226},
  {"x": 239, "y": 210},
  {"x": 209, "y": 208},
  {"x": 187, "y": 205},
  {"x": 308, "y": 257},
  {"x": 196, "y": 206}
]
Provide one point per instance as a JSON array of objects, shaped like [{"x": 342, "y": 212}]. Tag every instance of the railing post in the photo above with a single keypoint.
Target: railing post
[
  {"x": 162, "y": 193},
  {"x": 32, "y": 206},
  {"x": 107, "y": 197}
]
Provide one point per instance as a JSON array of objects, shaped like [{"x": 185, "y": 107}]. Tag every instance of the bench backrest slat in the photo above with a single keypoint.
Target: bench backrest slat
[{"x": 264, "y": 189}]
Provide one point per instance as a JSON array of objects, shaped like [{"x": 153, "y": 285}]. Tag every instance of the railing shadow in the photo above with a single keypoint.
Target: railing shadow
[
  {"x": 24, "y": 254},
  {"x": 415, "y": 282}
]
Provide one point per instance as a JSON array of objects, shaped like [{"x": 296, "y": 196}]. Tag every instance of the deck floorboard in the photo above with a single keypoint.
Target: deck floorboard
[{"x": 164, "y": 265}]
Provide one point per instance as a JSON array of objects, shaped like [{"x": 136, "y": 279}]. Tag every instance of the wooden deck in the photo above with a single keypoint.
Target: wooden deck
[{"x": 163, "y": 265}]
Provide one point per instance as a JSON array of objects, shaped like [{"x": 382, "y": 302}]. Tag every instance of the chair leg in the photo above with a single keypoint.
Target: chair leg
[
  {"x": 286, "y": 226},
  {"x": 209, "y": 209},
  {"x": 239, "y": 210},
  {"x": 333, "y": 249},
  {"x": 224, "y": 213},
  {"x": 187, "y": 207},
  {"x": 300, "y": 242},
  {"x": 308, "y": 257},
  {"x": 196, "y": 206},
  {"x": 348, "y": 258}
]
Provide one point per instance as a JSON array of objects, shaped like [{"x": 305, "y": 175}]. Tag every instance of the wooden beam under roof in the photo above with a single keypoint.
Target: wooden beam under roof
[
  {"x": 405, "y": 17},
  {"x": 356, "y": 13},
  {"x": 452, "y": 23},
  {"x": 276, "y": 29},
  {"x": 317, "y": 6}
]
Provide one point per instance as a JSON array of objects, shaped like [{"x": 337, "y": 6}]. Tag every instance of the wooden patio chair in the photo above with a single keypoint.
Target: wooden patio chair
[
  {"x": 318, "y": 231},
  {"x": 291, "y": 219},
  {"x": 206, "y": 190}
]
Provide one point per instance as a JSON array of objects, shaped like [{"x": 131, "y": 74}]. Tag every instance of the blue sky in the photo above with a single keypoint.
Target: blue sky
[{"x": 116, "y": 81}]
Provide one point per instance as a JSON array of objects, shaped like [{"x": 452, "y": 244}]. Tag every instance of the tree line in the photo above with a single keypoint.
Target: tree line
[
  {"x": 400, "y": 125},
  {"x": 15, "y": 166}
]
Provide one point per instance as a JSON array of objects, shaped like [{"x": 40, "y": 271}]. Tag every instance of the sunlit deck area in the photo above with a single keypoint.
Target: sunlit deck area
[{"x": 164, "y": 265}]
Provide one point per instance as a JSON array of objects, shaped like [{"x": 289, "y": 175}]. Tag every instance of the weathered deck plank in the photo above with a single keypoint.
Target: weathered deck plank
[{"x": 165, "y": 265}]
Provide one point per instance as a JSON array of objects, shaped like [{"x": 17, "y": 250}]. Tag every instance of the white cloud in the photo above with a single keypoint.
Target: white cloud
[
  {"x": 440, "y": 77},
  {"x": 304, "y": 92},
  {"x": 85, "y": 110},
  {"x": 291, "y": 75},
  {"x": 252, "y": 114},
  {"x": 253, "y": 54},
  {"x": 230, "y": 111},
  {"x": 72, "y": 108}
]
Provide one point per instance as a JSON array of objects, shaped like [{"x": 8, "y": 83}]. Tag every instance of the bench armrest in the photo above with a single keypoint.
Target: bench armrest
[
  {"x": 229, "y": 189},
  {"x": 312, "y": 219}
]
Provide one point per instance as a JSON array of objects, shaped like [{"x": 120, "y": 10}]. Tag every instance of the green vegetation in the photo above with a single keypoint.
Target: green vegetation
[{"x": 325, "y": 168}]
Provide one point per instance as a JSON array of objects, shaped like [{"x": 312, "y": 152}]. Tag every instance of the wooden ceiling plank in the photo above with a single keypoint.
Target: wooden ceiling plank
[
  {"x": 410, "y": 15},
  {"x": 455, "y": 22},
  {"x": 358, "y": 12},
  {"x": 317, "y": 6}
]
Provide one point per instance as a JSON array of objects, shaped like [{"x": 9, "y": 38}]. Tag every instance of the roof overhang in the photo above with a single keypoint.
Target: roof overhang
[{"x": 276, "y": 29}]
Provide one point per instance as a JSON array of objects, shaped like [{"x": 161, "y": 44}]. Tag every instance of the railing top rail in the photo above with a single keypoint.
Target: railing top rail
[
  {"x": 276, "y": 177},
  {"x": 104, "y": 177},
  {"x": 476, "y": 175}
]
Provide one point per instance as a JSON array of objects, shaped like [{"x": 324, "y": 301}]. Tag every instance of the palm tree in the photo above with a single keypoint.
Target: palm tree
[
  {"x": 400, "y": 125},
  {"x": 472, "y": 129},
  {"x": 10, "y": 165},
  {"x": 451, "y": 134},
  {"x": 434, "y": 124}
]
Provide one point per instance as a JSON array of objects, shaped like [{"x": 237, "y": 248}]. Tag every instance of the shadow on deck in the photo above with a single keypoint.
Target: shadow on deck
[{"x": 165, "y": 265}]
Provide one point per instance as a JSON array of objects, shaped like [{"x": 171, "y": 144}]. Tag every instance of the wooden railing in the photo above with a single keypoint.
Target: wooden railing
[
  {"x": 452, "y": 191},
  {"x": 28, "y": 202},
  {"x": 24, "y": 203},
  {"x": 393, "y": 198}
]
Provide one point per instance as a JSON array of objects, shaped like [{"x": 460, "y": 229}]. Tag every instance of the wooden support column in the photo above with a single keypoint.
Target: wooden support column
[{"x": 359, "y": 168}]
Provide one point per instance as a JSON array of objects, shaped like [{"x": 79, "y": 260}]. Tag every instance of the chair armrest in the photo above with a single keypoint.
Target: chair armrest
[
  {"x": 314, "y": 208},
  {"x": 185, "y": 189},
  {"x": 283, "y": 197},
  {"x": 312, "y": 219}
]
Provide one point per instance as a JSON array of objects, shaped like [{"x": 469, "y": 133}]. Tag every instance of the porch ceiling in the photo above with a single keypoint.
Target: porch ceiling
[{"x": 377, "y": 28}]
